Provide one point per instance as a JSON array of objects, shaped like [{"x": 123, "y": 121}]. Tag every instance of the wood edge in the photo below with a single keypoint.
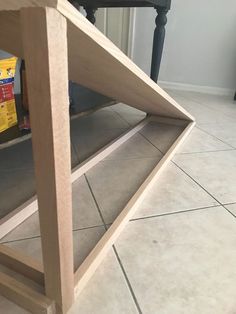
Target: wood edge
[
  {"x": 106, "y": 150},
  {"x": 25, "y": 296},
  {"x": 16, "y": 5},
  {"x": 23, "y": 264},
  {"x": 17, "y": 216},
  {"x": 72, "y": 117},
  {"x": 74, "y": 17},
  {"x": 171, "y": 121},
  {"x": 93, "y": 260},
  {"x": 24, "y": 211}
]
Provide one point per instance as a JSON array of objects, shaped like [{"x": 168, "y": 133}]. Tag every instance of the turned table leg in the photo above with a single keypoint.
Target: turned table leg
[
  {"x": 90, "y": 14},
  {"x": 158, "y": 41}
]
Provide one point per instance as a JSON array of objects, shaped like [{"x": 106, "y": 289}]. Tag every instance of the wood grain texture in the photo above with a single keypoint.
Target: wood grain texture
[
  {"x": 24, "y": 211},
  {"x": 25, "y": 265},
  {"x": 25, "y": 296},
  {"x": 95, "y": 62},
  {"x": 45, "y": 50},
  {"x": 90, "y": 264},
  {"x": 17, "y": 216},
  {"x": 18, "y": 4}
]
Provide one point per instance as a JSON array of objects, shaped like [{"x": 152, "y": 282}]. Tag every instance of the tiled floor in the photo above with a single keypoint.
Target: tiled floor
[{"x": 178, "y": 254}]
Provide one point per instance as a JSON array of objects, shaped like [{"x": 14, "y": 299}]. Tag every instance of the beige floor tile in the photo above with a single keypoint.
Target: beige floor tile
[
  {"x": 92, "y": 140},
  {"x": 136, "y": 147},
  {"x": 115, "y": 181},
  {"x": 174, "y": 191},
  {"x": 84, "y": 242},
  {"x": 85, "y": 214},
  {"x": 182, "y": 263},
  {"x": 221, "y": 103},
  {"x": 17, "y": 180},
  {"x": 8, "y": 307},
  {"x": 231, "y": 208},
  {"x": 226, "y": 132},
  {"x": 131, "y": 115},
  {"x": 101, "y": 119},
  {"x": 213, "y": 171},
  {"x": 200, "y": 141},
  {"x": 161, "y": 135},
  {"x": 106, "y": 292},
  {"x": 201, "y": 112},
  {"x": 16, "y": 187}
]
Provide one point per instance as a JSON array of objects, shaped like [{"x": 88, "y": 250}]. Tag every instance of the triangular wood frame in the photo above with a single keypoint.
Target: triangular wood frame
[{"x": 58, "y": 43}]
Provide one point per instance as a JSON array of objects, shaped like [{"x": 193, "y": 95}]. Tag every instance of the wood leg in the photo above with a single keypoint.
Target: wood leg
[
  {"x": 158, "y": 41},
  {"x": 45, "y": 48}
]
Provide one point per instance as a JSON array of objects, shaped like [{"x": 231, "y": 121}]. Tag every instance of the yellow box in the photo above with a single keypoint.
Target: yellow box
[{"x": 8, "y": 116}]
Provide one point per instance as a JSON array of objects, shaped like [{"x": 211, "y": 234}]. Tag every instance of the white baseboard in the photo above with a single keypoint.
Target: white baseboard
[{"x": 197, "y": 88}]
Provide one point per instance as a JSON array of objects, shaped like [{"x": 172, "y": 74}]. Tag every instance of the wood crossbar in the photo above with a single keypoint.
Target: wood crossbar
[
  {"x": 90, "y": 264},
  {"x": 25, "y": 265},
  {"x": 25, "y": 296},
  {"x": 24, "y": 211}
]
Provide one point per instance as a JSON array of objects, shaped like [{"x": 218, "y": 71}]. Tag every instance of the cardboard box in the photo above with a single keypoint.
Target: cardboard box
[{"x": 8, "y": 116}]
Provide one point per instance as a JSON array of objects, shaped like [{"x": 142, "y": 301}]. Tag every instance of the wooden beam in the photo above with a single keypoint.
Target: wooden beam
[
  {"x": 17, "y": 216},
  {"x": 24, "y": 211},
  {"x": 45, "y": 49},
  {"x": 106, "y": 151},
  {"x": 24, "y": 296},
  {"x": 116, "y": 75},
  {"x": 10, "y": 25},
  {"x": 90, "y": 264},
  {"x": 25, "y": 265},
  {"x": 19, "y": 4}
]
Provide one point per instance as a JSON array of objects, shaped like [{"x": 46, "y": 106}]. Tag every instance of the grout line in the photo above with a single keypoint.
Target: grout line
[
  {"x": 209, "y": 151},
  {"x": 231, "y": 203},
  {"x": 127, "y": 280},
  {"x": 86, "y": 228},
  {"x": 23, "y": 239},
  {"x": 151, "y": 143},
  {"x": 118, "y": 259},
  {"x": 199, "y": 183},
  {"x": 203, "y": 103},
  {"x": 174, "y": 213},
  {"x": 39, "y": 236},
  {"x": 214, "y": 136},
  {"x": 203, "y": 188},
  {"x": 96, "y": 203},
  {"x": 130, "y": 158}
]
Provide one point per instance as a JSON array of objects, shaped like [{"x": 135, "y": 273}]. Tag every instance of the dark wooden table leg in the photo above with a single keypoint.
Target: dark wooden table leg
[
  {"x": 158, "y": 41},
  {"x": 90, "y": 14}
]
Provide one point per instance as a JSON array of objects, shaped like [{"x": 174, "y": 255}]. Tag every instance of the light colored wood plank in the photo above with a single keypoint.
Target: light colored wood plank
[
  {"x": 18, "y": 4},
  {"x": 105, "y": 151},
  {"x": 25, "y": 296},
  {"x": 25, "y": 265},
  {"x": 170, "y": 121},
  {"x": 20, "y": 214},
  {"x": 45, "y": 49},
  {"x": 116, "y": 75},
  {"x": 90, "y": 264},
  {"x": 17, "y": 216}
]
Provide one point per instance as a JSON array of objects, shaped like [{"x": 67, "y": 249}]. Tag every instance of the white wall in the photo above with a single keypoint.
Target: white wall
[{"x": 200, "y": 45}]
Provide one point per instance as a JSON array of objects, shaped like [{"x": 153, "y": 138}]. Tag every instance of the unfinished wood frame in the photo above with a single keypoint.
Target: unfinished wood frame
[{"x": 33, "y": 34}]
